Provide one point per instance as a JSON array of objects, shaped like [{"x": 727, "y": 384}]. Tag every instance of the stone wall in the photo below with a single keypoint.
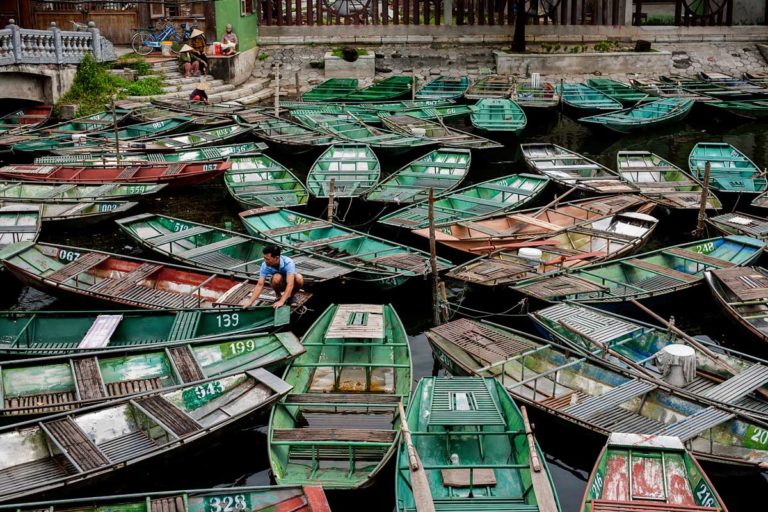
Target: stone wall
[{"x": 43, "y": 82}]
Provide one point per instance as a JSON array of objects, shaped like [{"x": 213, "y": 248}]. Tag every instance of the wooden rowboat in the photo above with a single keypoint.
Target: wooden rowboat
[
  {"x": 645, "y": 116},
  {"x": 756, "y": 78},
  {"x": 498, "y": 115},
  {"x": 536, "y": 96},
  {"x": 65, "y": 130},
  {"x": 391, "y": 88},
  {"x": 189, "y": 140},
  {"x": 724, "y": 377},
  {"x": 742, "y": 293},
  {"x": 444, "y": 87},
  {"x": 441, "y": 169},
  {"x": 711, "y": 89},
  {"x": 332, "y": 89},
  {"x": 259, "y": 180},
  {"x": 730, "y": 169},
  {"x": 661, "y": 89},
  {"x": 469, "y": 435},
  {"x": 32, "y": 192},
  {"x": 663, "y": 182},
  {"x": 219, "y": 250},
  {"x": 26, "y": 333},
  {"x": 376, "y": 260},
  {"x": 760, "y": 201},
  {"x": 120, "y": 280},
  {"x": 75, "y": 213},
  {"x": 344, "y": 170},
  {"x": 584, "y": 100},
  {"x": 593, "y": 241},
  {"x": 592, "y": 394},
  {"x": 339, "y": 426},
  {"x": 47, "y": 385},
  {"x": 644, "y": 276},
  {"x": 492, "y": 197},
  {"x": 648, "y": 473},
  {"x": 284, "y": 134},
  {"x": 281, "y": 498},
  {"x": 570, "y": 169},
  {"x": 173, "y": 174},
  {"x": 619, "y": 91},
  {"x": 739, "y": 223},
  {"x": 532, "y": 223},
  {"x": 19, "y": 223},
  {"x": 493, "y": 86},
  {"x": 752, "y": 109},
  {"x": 436, "y": 132},
  {"x": 66, "y": 448},
  {"x": 25, "y": 119}
]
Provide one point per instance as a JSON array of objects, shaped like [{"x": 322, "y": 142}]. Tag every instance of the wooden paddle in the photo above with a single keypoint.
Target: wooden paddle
[
  {"x": 422, "y": 496},
  {"x": 542, "y": 485}
]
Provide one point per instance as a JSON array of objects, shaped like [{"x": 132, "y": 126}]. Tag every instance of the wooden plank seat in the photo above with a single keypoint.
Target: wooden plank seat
[
  {"x": 612, "y": 398},
  {"x": 127, "y": 446},
  {"x": 184, "y": 325},
  {"x": 289, "y": 435},
  {"x": 603, "y": 234},
  {"x": 178, "y": 235},
  {"x": 491, "y": 272},
  {"x": 160, "y": 298},
  {"x": 20, "y": 228},
  {"x": 116, "y": 287},
  {"x": 128, "y": 172},
  {"x": 297, "y": 228},
  {"x": 311, "y": 244},
  {"x": 76, "y": 445},
  {"x": 168, "y": 504},
  {"x": 88, "y": 378},
  {"x": 343, "y": 398},
  {"x": 696, "y": 423},
  {"x": 219, "y": 261},
  {"x": 411, "y": 262},
  {"x": 235, "y": 295},
  {"x": 174, "y": 169},
  {"x": 43, "y": 403},
  {"x": 186, "y": 364},
  {"x": 699, "y": 258},
  {"x": 82, "y": 264},
  {"x": 623, "y": 420},
  {"x": 34, "y": 473},
  {"x": 209, "y": 248},
  {"x": 481, "y": 341},
  {"x": 132, "y": 387},
  {"x": 170, "y": 416},
  {"x": 740, "y": 385},
  {"x": 645, "y": 506},
  {"x": 481, "y": 504},
  {"x": 563, "y": 285},
  {"x": 658, "y": 269}
]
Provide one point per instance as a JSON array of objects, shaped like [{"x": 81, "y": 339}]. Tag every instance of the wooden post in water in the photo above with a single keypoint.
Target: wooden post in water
[
  {"x": 331, "y": 191},
  {"x": 562, "y": 91},
  {"x": 701, "y": 224},
  {"x": 422, "y": 495},
  {"x": 433, "y": 258},
  {"x": 277, "y": 89},
  {"x": 298, "y": 87},
  {"x": 413, "y": 86},
  {"x": 117, "y": 132}
]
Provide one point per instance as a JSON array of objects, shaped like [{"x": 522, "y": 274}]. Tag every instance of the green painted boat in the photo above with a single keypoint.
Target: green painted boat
[
  {"x": 740, "y": 223},
  {"x": 19, "y": 223},
  {"x": 584, "y": 100},
  {"x": 77, "y": 273},
  {"x": 376, "y": 260},
  {"x": 259, "y": 180},
  {"x": 711, "y": 89},
  {"x": 197, "y": 120},
  {"x": 660, "y": 89},
  {"x": 65, "y": 130},
  {"x": 437, "y": 132},
  {"x": 593, "y": 395},
  {"x": 731, "y": 82},
  {"x": 493, "y": 86},
  {"x": 108, "y": 437},
  {"x": 219, "y": 250},
  {"x": 651, "y": 275},
  {"x": 619, "y": 91},
  {"x": 388, "y": 89},
  {"x": 444, "y": 87},
  {"x": 208, "y": 154},
  {"x": 499, "y": 115},
  {"x": 28, "y": 333},
  {"x": 25, "y": 119},
  {"x": 662, "y": 181},
  {"x": 645, "y": 116},
  {"x": 742, "y": 293},
  {"x": 350, "y": 170},
  {"x": 339, "y": 425},
  {"x": 572, "y": 170},
  {"x": 730, "y": 170},
  {"x": 105, "y": 139},
  {"x": 34, "y": 387},
  {"x": 398, "y": 106},
  {"x": 350, "y": 129},
  {"x": 339, "y": 110},
  {"x": 759, "y": 78},
  {"x": 196, "y": 107},
  {"x": 492, "y": 197},
  {"x": 536, "y": 95},
  {"x": 652, "y": 351},
  {"x": 760, "y": 201},
  {"x": 438, "y": 112},
  {"x": 75, "y": 213},
  {"x": 471, "y": 439},
  {"x": 276, "y": 498},
  {"x": 648, "y": 473},
  {"x": 190, "y": 140},
  {"x": 441, "y": 170},
  {"x": 284, "y": 134},
  {"x": 24, "y": 191},
  {"x": 332, "y": 89}
]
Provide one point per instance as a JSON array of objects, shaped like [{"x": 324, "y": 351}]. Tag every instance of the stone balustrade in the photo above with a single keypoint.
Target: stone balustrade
[{"x": 53, "y": 46}]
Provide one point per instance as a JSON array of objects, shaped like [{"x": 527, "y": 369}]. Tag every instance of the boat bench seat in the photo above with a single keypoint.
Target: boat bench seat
[
  {"x": 169, "y": 416},
  {"x": 644, "y": 506},
  {"x": 217, "y": 246},
  {"x": 296, "y": 228},
  {"x": 132, "y": 387},
  {"x": 665, "y": 271},
  {"x": 24, "y": 228},
  {"x": 77, "y": 446},
  {"x": 327, "y": 241},
  {"x": 342, "y": 398},
  {"x": 82, "y": 264},
  {"x": 117, "y": 287},
  {"x": 289, "y": 435},
  {"x": 483, "y": 503},
  {"x": 42, "y": 403}
]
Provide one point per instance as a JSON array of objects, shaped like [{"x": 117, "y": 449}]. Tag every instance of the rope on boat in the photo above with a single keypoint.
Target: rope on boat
[{"x": 456, "y": 307}]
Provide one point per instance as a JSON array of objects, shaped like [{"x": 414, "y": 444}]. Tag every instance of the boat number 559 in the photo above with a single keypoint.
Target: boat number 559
[{"x": 227, "y": 503}]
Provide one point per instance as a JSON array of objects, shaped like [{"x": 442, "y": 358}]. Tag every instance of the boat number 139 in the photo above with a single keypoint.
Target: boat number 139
[
  {"x": 227, "y": 503},
  {"x": 228, "y": 320}
]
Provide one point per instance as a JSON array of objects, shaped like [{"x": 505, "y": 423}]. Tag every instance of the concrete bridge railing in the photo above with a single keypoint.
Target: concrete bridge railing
[{"x": 53, "y": 46}]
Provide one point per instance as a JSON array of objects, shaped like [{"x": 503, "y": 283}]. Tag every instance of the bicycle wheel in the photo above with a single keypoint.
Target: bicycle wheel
[{"x": 140, "y": 42}]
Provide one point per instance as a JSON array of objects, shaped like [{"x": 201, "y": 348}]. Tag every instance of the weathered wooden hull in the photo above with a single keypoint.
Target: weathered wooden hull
[{"x": 749, "y": 315}]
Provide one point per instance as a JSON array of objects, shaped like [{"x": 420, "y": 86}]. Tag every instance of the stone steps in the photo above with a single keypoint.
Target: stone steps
[
  {"x": 190, "y": 85},
  {"x": 245, "y": 90}
]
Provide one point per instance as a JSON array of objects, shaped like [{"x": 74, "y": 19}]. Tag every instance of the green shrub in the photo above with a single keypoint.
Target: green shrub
[
  {"x": 263, "y": 56},
  {"x": 660, "y": 19},
  {"x": 135, "y": 62},
  {"x": 145, "y": 87},
  {"x": 603, "y": 46}
]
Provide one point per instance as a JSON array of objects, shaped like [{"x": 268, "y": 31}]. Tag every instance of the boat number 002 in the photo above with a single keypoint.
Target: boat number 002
[
  {"x": 704, "y": 248},
  {"x": 207, "y": 390},
  {"x": 65, "y": 255},
  {"x": 228, "y": 320},
  {"x": 227, "y": 503}
]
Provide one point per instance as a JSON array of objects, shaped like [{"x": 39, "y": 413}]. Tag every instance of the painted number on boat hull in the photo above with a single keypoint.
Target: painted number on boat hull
[
  {"x": 241, "y": 347},
  {"x": 703, "y": 495},
  {"x": 227, "y": 320},
  {"x": 199, "y": 395},
  {"x": 596, "y": 489},
  {"x": 227, "y": 503},
  {"x": 65, "y": 255},
  {"x": 704, "y": 248},
  {"x": 756, "y": 437}
]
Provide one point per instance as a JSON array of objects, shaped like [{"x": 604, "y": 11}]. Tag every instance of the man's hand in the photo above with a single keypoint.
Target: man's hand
[{"x": 278, "y": 303}]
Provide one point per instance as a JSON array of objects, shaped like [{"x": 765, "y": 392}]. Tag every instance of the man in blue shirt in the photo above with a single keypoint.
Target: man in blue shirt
[{"x": 283, "y": 277}]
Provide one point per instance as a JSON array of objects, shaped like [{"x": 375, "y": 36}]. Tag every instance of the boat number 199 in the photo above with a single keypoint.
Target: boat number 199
[
  {"x": 227, "y": 503},
  {"x": 228, "y": 320}
]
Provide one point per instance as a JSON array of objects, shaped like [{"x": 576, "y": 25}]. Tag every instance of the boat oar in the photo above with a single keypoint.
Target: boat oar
[
  {"x": 542, "y": 486},
  {"x": 422, "y": 496}
]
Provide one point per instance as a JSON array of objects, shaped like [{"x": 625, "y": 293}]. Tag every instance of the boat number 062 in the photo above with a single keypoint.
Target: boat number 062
[
  {"x": 228, "y": 320},
  {"x": 65, "y": 255},
  {"x": 206, "y": 390},
  {"x": 227, "y": 503}
]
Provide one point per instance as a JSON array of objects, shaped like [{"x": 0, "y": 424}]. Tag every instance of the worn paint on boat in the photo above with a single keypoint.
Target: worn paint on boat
[
  {"x": 470, "y": 437},
  {"x": 585, "y": 100},
  {"x": 730, "y": 169},
  {"x": 190, "y": 140},
  {"x": 619, "y": 91},
  {"x": 75, "y": 213},
  {"x": 350, "y": 169},
  {"x": 332, "y": 89},
  {"x": 444, "y": 87},
  {"x": 498, "y": 115},
  {"x": 284, "y": 134},
  {"x": 739, "y": 223},
  {"x": 391, "y": 88},
  {"x": 346, "y": 390},
  {"x": 645, "y": 116},
  {"x": 493, "y": 86},
  {"x": 536, "y": 95},
  {"x": 33, "y": 192},
  {"x": 436, "y": 132},
  {"x": 25, "y": 119},
  {"x": 259, "y": 180},
  {"x": 742, "y": 293},
  {"x": 19, "y": 223}
]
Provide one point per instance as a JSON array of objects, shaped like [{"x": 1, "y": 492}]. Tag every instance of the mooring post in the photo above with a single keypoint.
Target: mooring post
[
  {"x": 298, "y": 87},
  {"x": 331, "y": 191},
  {"x": 433, "y": 259},
  {"x": 701, "y": 224},
  {"x": 562, "y": 91},
  {"x": 413, "y": 86},
  {"x": 277, "y": 89},
  {"x": 117, "y": 132}
]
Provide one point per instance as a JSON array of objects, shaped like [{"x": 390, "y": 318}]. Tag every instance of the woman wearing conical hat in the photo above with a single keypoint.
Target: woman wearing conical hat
[{"x": 190, "y": 62}]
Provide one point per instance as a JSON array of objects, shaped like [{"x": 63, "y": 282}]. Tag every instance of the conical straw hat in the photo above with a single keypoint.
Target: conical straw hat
[
  {"x": 185, "y": 48},
  {"x": 196, "y": 33}
]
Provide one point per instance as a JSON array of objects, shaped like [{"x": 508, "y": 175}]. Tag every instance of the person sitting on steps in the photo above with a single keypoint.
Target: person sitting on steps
[{"x": 285, "y": 281}]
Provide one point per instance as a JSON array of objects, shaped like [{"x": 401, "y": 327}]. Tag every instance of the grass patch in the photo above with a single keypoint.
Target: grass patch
[
  {"x": 660, "y": 19},
  {"x": 145, "y": 87},
  {"x": 134, "y": 62}
]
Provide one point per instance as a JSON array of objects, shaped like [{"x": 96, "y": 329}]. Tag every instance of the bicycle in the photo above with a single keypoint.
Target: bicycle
[{"x": 145, "y": 40}]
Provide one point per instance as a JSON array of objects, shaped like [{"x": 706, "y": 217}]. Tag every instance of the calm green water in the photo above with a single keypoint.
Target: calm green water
[{"x": 240, "y": 456}]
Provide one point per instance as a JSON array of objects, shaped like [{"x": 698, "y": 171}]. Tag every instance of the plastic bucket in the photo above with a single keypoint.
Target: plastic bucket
[{"x": 165, "y": 48}]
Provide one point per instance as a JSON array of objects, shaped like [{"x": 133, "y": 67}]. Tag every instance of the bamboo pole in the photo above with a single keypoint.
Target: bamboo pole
[
  {"x": 117, "y": 132},
  {"x": 701, "y": 224},
  {"x": 277, "y": 89},
  {"x": 422, "y": 496},
  {"x": 331, "y": 193},
  {"x": 433, "y": 258}
]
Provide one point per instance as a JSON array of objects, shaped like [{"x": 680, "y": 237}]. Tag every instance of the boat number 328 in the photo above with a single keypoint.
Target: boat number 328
[{"x": 227, "y": 503}]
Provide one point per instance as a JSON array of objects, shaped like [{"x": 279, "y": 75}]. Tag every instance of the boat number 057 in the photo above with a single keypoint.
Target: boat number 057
[
  {"x": 228, "y": 320},
  {"x": 210, "y": 389},
  {"x": 209, "y": 167},
  {"x": 227, "y": 503},
  {"x": 65, "y": 255}
]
